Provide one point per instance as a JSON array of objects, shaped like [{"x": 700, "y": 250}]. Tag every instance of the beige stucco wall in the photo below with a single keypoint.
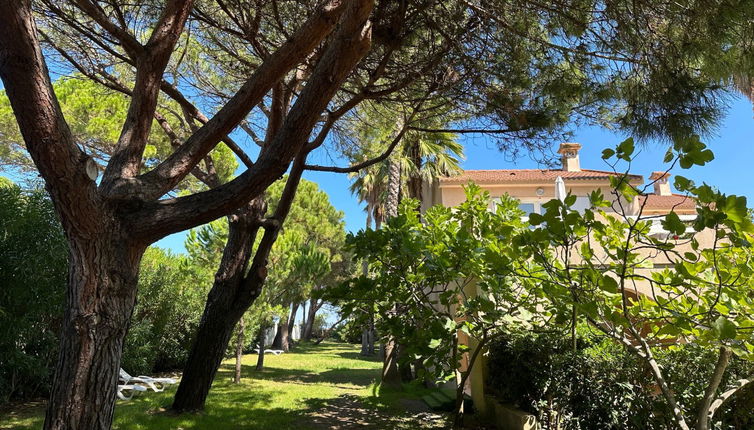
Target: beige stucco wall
[{"x": 451, "y": 195}]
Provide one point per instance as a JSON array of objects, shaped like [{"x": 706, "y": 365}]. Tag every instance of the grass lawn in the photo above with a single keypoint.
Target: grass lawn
[{"x": 315, "y": 387}]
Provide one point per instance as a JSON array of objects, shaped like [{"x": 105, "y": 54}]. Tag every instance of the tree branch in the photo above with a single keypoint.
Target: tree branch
[
  {"x": 172, "y": 170},
  {"x": 741, "y": 383},
  {"x": 132, "y": 46},
  {"x": 464, "y": 130},
  {"x": 703, "y": 415},
  {"x": 257, "y": 274},
  {"x": 125, "y": 161},
  {"x": 343, "y": 53},
  {"x": 381, "y": 157},
  {"x": 46, "y": 134}
]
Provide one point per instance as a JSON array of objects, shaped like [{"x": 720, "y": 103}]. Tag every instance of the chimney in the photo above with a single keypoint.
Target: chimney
[
  {"x": 570, "y": 156},
  {"x": 662, "y": 186}
]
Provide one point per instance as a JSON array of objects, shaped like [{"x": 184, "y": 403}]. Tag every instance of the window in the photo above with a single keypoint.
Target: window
[
  {"x": 582, "y": 204},
  {"x": 528, "y": 208}
]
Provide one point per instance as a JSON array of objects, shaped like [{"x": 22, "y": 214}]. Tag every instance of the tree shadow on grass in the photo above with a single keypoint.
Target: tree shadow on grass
[
  {"x": 359, "y": 378},
  {"x": 352, "y": 355},
  {"x": 228, "y": 407},
  {"x": 350, "y": 412},
  {"x": 330, "y": 403}
]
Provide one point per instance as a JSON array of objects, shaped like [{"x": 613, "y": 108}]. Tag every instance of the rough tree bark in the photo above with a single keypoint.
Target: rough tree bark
[
  {"x": 239, "y": 351},
  {"x": 288, "y": 329},
  {"x": 109, "y": 226},
  {"x": 314, "y": 306},
  {"x": 93, "y": 333},
  {"x": 230, "y": 296},
  {"x": 277, "y": 341},
  {"x": 404, "y": 366},
  {"x": 414, "y": 183},
  {"x": 304, "y": 320},
  {"x": 391, "y": 376},
  {"x": 364, "y": 341},
  {"x": 261, "y": 346},
  {"x": 372, "y": 335}
]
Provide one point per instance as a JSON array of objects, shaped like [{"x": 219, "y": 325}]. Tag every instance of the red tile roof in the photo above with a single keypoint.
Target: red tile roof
[
  {"x": 674, "y": 201},
  {"x": 530, "y": 175}
]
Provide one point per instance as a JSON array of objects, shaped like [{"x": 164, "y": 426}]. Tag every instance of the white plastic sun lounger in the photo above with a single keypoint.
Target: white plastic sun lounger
[
  {"x": 156, "y": 384},
  {"x": 269, "y": 351},
  {"x": 126, "y": 391}
]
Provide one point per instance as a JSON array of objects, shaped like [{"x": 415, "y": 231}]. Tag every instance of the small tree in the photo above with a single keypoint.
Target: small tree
[
  {"x": 450, "y": 271},
  {"x": 649, "y": 291}
]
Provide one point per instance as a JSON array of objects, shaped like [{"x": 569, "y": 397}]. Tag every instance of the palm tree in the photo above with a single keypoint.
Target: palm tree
[
  {"x": 429, "y": 156},
  {"x": 421, "y": 157},
  {"x": 369, "y": 185}
]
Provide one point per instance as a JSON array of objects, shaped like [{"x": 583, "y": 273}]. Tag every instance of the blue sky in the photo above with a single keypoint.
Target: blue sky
[{"x": 732, "y": 171}]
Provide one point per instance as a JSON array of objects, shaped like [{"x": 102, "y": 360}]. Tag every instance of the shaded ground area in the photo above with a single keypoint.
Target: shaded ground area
[
  {"x": 315, "y": 387},
  {"x": 351, "y": 412}
]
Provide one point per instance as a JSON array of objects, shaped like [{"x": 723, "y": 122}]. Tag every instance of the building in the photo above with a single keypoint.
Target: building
[{"x": 534, "y": 187}]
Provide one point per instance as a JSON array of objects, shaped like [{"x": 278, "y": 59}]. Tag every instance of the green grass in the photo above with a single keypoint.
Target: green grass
[{"x": 314, "y": 387}]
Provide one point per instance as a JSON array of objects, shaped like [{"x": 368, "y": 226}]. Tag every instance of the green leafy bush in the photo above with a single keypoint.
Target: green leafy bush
[
  {"x": 595, "y": 387},
  {"x": 602, "y": 386},
  {"x": 688, "y": 368},
  {"x": 33, "y": 276},
  {"x": 350, "y": 331},
  {"x": 33, "y": 271},
  {"x": 169, "y": 305}
]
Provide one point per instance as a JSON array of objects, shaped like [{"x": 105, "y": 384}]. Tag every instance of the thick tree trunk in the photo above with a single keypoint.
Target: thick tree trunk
[
  {"x": 215, "y": 330},
  {"x": 393, "y": 188},
  {"x": 230, "y": 297},
  {"x": 277, "y": 342},
  {"x": 372, "y": 335},
  {"x": 390, "y": 375},
  {"x": 367, "y": 338},
  {"x": 239, "y": 351},
  {"x": 414, "y": 180},
  {"x": 314, "y": 306},
  {"x": 103, "y": 274},
  {"x": 461, "y": 389},
  {"x": 365, "y": 341},
  {"x": 404, "y": 366},
  {"x": 703, "y": 416},
  {"x": 261, "y": 346},
  {"x": 287, "y": 339}
]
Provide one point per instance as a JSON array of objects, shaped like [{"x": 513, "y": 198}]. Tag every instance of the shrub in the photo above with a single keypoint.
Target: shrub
[
  {"x": 350, "y": 331},
  {"x": 688, "y": 368},
  {"x": 594, "y": 387},
  {"x": 169, "y": 305},
  {"x": 33, "y": 272},
  {"x": 602, "y": 386}
]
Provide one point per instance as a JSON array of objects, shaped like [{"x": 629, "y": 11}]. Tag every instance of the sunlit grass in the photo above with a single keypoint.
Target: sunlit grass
[{"x": 312, "y": 387}]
